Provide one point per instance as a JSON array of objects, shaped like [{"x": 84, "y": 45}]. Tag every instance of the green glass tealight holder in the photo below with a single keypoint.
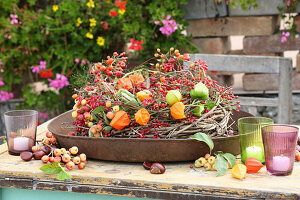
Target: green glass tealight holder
[{"x": 251, "y": 144}]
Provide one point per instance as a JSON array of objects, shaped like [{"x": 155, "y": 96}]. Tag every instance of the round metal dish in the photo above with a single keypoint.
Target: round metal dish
[{"x": 140, "y": 150}]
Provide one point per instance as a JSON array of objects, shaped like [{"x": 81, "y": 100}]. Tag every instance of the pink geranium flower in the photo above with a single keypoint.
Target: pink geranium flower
[
  {"x": 284, "y": 36},
  {"x": 83, "y": 62},
  {"x": 59, "y": 82},
  {"x": 13, "y": 19},
  {"x": 1, "y": 81},
  {"x": 35, "y": 69},
  {"x": 76, "y": 60},
  {"x": 4, "y": 96},
  {"x": 169, "y": 26},
  {"x": 43, "y": 65}
]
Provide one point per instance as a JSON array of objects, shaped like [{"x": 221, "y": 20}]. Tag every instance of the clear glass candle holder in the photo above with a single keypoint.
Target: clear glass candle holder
[
  {"x": 21, "y": 128},
  {"x": 251, "y": 144},
  {"x": 280, "y": 145}
]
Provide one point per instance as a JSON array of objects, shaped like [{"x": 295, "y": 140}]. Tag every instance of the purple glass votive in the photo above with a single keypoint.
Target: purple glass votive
[{"x": 279, "y": 145}]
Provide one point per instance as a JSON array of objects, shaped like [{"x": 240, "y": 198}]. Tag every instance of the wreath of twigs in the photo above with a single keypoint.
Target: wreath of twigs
[{"x": 214, "y": 126}]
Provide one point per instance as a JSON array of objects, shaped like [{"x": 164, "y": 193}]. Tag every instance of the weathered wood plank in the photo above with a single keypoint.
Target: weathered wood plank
[
  {"x": 259, "y": 101},
  {"x": 236, "y": 63},
  {"x": 265, "y": 7},
  {"x": 226, "y": 26},
  {"x": 215, "y": 45},
  {"x": 285, "y": 94},
  {"x": 255, "y": 82},
  {"x": 270, "y": 44},
  {"x": 195, "y": 9}
]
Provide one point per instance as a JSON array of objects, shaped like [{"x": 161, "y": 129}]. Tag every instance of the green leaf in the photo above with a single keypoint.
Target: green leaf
[
  {"x": 230, "y": 158},
  {"x": 63, "y": 175},
  {"x": 209, "y": 104},
  {"x": 53, "y": 168},
  {"x": 96, "y": 111},
  {"x": 204, "y": 138},
  {"x": 221, "y": 165}
]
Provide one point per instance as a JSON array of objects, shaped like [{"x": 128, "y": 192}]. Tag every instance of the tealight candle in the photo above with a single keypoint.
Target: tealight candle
[
  {"x": 255, "y": 152},
  {"x": 21, "y": 144},
  {"x": 281, "y": 163}
]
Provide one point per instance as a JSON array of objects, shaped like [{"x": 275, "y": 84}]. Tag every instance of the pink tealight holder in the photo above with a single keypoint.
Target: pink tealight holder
[
  {"x": 279, "y": 145},
  {"x": 21, "y": 128}
]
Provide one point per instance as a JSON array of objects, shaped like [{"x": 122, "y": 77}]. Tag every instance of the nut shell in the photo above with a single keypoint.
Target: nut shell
[
  {"x": 26, "y": 155},
  {"x": 38, "y": 154},
  {"x": 147, "y": 165},
  {"x": 157, "y": 168}
]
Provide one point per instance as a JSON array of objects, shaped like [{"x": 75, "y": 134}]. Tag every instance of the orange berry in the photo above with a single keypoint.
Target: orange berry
[
  {"x": 109, "y": 61},
  {"x": 163, "y": 79},
  {"x": 110, "y": 115},
  {"x": 176, "y": 51},
  {"x": 108, "y": 104},
  {"x": 74, "y": 96}
]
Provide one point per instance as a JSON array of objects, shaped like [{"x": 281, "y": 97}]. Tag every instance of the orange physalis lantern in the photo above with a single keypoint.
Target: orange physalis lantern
[
  {"x": 120, "y": 120},
  {"x": 142, "y": 116},
  {"x": 124, "y": 83},
  {"x": 137, "y": 78},
  {"x": 177, "y": 110}
]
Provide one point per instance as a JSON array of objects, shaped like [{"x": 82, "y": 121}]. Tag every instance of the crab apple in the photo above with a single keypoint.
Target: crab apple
[
  {"x": 93, "y": 130},
  {"x": 76, "y": 160},
  {"x": 72, "y": 133},
  {"x": 49, "y": 134},
  {"x": 81, "y": 165},
  {"x": 57, "y": 152},
  {"x": 98, "y": 127},
  {"x": 116, "y": 108},
  {"x": 66, "y": 158},
  {"x": 108, "y": 104},
  {"x": 74, "y": 114},
  {"x": 57, "y": 159},
  {"x": 45, "y": 159},
  {"x": 110, "y": 115},
  {"x": 53, "y": 140},
  {"x": 51, "y": 159},
  {"x": 63, "y": 150},
  {"x": 83, "y": 102},
  {"x": 82, "y": 157},
  {"x": 74, "y": 96},
  {"x": 70, "y": 165},
  {"x": 47, "y": 142},
  {"x": 90, "y": 124},
  {"x": 73, "y": 150},
  {"x": 87, "y": 115},
  {"x": 35, "y": 148}
]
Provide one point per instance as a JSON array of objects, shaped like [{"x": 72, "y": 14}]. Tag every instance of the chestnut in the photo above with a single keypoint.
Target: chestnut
[
  {"x": 38, "y": 154},
  {"x": 147, "y": 165},
  {"x": 157, "y": 168},
  {"x": 46, "y": 149},
  {"x": 26, "y": 155}
]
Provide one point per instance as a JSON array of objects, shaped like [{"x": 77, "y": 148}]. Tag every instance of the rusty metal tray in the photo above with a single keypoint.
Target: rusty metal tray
[{"x": 140, "y": 150}]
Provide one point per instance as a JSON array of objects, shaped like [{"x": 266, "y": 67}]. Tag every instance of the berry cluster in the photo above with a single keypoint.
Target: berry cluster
[
  {"x": 156, "y": 95},
  {"x": 48, "y": 151}
]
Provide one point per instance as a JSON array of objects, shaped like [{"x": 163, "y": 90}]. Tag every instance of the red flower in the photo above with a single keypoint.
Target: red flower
[
  {"x": 113, "y": 13},
  {"x": 104, "y": 25},
  {"x": 121, "y": 4},
  {"x": 136, "y": 45},
  {"x": 46, "y": 74}
]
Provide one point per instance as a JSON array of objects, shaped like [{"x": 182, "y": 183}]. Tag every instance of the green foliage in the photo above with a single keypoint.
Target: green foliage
[
  {"x": 55, "y": 36},
  {"x": 204, "y": 138},
  {"x": 56, "y": 168}
]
